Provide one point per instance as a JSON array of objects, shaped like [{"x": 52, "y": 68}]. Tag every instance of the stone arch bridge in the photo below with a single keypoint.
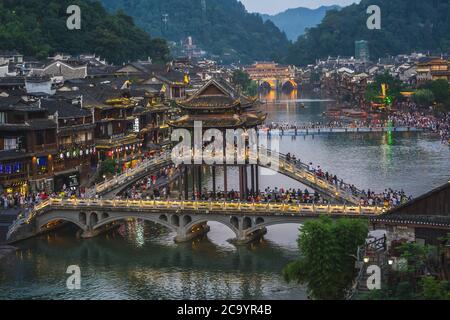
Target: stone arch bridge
[{"x": 188, "y": 219}]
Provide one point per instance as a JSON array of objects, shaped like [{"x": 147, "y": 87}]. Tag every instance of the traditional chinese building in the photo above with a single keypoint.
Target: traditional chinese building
[
  {"x": 28, "y": 146},
  {"x": 432, "y": 69},
  {"x": 218, "y": 105},
  {"x": 76, "y": 145}
]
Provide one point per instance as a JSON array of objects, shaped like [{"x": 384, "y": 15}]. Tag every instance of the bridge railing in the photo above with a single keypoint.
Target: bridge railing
[
  {"x": 208, "y": 206},
  {"x": 302, "y": 171},
  {"x": 129, "y": 174}
]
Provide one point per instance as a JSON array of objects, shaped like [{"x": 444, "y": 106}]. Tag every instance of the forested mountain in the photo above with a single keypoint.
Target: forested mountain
[
  {"x": 221, "y": 27},
  {"x": 36, "y": 27},
  {"x": 294, "y": 22},
  {"x": 406, "y": 25}
]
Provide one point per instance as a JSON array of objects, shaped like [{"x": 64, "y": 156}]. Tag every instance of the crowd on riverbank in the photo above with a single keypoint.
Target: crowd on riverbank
[
  {"x": 18, "y": 200},
  {"x": 421, "y": 120}
]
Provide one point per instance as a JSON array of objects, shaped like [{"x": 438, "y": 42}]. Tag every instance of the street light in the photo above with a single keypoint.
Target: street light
[
  {"x": 390, "y": 262},
  {"x": 366, "y": 259}
]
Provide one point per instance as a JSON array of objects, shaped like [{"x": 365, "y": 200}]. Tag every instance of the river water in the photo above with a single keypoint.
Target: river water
[{"x": 140, "y": 261}]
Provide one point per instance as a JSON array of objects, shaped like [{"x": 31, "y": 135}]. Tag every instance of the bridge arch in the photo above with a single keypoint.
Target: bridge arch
[
  {"x": 93, "y": 219},
  {"x": 186, "y": 220},
  {"x": 175, "y": 220},
  {"x": 267, "y": 84},
  {"x": 82, "y": 218},
  {"x": 225, "y": 221},
  {"x": 289, "y": 85},
  {"x": 46, "y": 220},
  {"x": 272, "y": 223},
  {"x": 153, "y": 219}
]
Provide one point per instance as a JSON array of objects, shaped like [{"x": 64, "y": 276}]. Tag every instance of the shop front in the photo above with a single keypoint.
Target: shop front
[{"x": 67, "y": 180}]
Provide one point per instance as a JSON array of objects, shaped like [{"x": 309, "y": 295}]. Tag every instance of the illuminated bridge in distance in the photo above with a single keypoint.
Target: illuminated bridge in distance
[{"x": 273, "y": 75}]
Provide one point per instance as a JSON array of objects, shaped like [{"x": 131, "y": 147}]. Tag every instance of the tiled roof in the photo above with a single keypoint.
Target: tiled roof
[{"x": 64, "y": 108}]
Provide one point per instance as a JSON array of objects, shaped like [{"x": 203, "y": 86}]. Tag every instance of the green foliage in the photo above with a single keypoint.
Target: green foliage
[
  {"x": 429, "y": 289},
  {"x": 394, "y": 87},
  {"x": 35, "y": 27},
  {"x": 327, "y": 263},
  {"x": 242, "y": 79},
  {"x": 424, "y": 97},
  {"x": 108, "y": 167},
  {"x": 434, "y": 289},
  {"x": 416, "y": 256},
  {"x": 440, "y": 89},
  {"x": 406, "y": 26},
  {"x": 225, "y": 29}
]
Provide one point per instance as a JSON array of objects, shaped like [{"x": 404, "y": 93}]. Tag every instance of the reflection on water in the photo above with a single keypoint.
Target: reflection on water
[{"x": 141, "y": 261}]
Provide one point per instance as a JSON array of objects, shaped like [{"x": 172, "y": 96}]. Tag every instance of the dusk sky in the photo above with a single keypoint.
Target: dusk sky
[{"x": 275, "y": 6}]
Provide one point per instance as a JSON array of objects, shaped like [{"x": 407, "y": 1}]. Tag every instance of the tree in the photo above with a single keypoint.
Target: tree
[
  {"x": 424, "y": 97},
  {"x": 242, "y": 79},
  {"x": 338, "y": 31},
  {"x": 393, "y": 85},
  {"x": 108, "y": 167},
  {"x": 327, "y": 264},
  {"x": 432, "y": 289},
  {"x": 224, "y": 28},
  {"x": 38, "y": 28},
  {"x": 440, "y": 89}
]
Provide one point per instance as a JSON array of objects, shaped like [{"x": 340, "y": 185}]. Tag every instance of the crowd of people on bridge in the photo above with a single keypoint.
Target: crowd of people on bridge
[
  {"x": 153, "y": 187},
  {"x": 388, "y": 198}
]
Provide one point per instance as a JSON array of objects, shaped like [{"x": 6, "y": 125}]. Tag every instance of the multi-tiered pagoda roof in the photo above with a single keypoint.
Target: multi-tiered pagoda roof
[{"x": 219, "y": 105}]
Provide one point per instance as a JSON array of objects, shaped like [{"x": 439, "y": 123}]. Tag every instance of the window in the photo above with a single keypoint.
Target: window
[
  {"x": 10, "y": 144},
  {"x": 2, "y": 117}
]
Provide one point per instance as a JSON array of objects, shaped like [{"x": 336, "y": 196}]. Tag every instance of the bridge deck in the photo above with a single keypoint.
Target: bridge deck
[{"x": 203, "y": 207}]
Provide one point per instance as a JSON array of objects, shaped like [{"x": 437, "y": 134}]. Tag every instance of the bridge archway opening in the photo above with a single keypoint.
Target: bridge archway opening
[
  {"x": 186, "y": 220},
  {"x": 58, "y": 222},
  {"x": 280, "y": 232},
  {"x": 175, "y": 220},
  {"x": 266, "y": 86},
  {"x": 234, "y": 221},
  {"x": 289, "y": 85},
  {"x": 82, "y": 217},
  {"x": 259, "y": 220},
  {"x": 246, "y": 223},
  {"x": 137, "y": 220},
  {"x": 93, "y": 218},
  {"x": 163, "y": 217},
  {"x": 105, "y": 216}
]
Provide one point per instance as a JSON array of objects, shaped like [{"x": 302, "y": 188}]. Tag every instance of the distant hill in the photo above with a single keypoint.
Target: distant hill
[
  {"x": 221, "y": 27},
  {"x": 406, "y": 26},
  {"x": 294, "y": 22},
  {"x": 38, "y": 28}
]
